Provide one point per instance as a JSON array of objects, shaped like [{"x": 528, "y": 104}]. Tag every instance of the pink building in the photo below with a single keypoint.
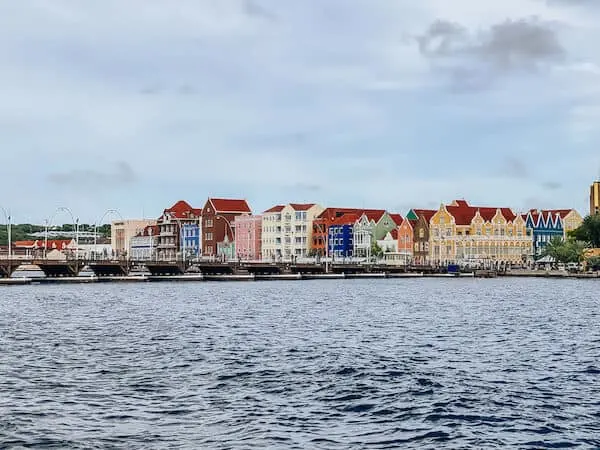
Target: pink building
[{"x": 248, "y": 235}]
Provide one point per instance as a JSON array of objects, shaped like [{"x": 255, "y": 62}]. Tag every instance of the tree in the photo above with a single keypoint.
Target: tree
[
  {"x": 376, "y": 250},
  {"x": 589, "y": 231},
  {"x": 594, "y": 263},
  {"x": 564, "y": 251}
]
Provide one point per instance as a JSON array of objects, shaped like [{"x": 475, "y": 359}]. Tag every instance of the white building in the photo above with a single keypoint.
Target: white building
[
  {"x": 143, "y": 246},
  {"x": 123, "y": 230},
  {"x": 287, "y": 231}
]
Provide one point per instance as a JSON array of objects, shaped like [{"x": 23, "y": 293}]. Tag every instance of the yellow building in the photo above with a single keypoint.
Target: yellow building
[
  {"x": 461, "y": 233},
  {"x": 595, "y": 198}
]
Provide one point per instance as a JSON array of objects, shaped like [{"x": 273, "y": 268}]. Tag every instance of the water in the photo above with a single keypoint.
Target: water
[{"x": 309, "y": 365}]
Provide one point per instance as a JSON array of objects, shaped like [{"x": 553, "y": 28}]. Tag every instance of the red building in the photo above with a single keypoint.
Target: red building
[{"x": 218, "y": 217}]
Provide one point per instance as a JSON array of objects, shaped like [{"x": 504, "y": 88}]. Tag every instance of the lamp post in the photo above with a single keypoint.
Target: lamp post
[
  {"x": 9, "y": 231},
  {"x": 219, "y": 216},
  {"x": 49, "y": 222},
  {"x": 106, "y": 213}
]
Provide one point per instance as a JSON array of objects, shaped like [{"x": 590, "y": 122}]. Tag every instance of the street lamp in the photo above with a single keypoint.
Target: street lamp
[
  {"x": 75, "y": 228},
  {"x": 106, "y": 213},
  {"x": 219, "y": 216},
  {"x": 9, "y": 229}
]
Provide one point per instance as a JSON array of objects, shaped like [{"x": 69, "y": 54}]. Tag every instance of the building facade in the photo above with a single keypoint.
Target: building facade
[
  {"x": 143, "y": 246},
  {"x": 170, "y": 226},
  {"x": 488, "y": 236},
  {"x": 595, "y": 198},
  {"x": 287, "y": 231},
  {"x": 122, "y": 231},
  {"x": 340, "y": 237},
  {"x": 373, "y": 225},
  {"x": 543, "y": 226},
  {"x": 248, "y": 237},
  {"x": 419, "y": 220},
  {"x": 191, "y": 241},
  {"x": 218, "y": 216}
]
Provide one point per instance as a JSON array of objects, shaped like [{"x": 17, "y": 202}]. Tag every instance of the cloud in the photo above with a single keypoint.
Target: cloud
[
  {"x": 254, "y": 9},
  {"x": 512, "y": 46},
  {"x": 122, "y": 175},
  {"x": 552, "y": 185},
  {"x": 513, "y": 167}
]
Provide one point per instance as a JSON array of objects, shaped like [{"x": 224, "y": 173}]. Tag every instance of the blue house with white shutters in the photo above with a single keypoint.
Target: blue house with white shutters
[{"x": 544, "y": 226}]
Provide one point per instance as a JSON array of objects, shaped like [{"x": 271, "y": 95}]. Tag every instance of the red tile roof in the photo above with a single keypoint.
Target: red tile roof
[
  {"x": 561, "y": 212},
  {"x": 276, "y": 208},
  {"x": 24, "y": 244},
  {"x": 225, "y": 205},
  {"x": 301, "y": 206},
  {"x": 427, "y": 214},
  {"x": 150, "y": 230},
  {"x": 182, "y": 210},
  {"x": 374, "y": 214},
  {"x": 394, "y": 233},
  {"x": 58, "y": 244},
  {"x": 397, "y": 218},
  {"x": 463, "y": 213},
  {"x": 346, "y": 219}
]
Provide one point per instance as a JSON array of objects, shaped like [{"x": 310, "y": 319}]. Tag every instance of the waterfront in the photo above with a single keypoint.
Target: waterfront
[{"x": 409, "y": 363}]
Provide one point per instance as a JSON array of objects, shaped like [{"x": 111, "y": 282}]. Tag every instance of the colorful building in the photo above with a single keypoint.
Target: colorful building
[
  {"x": 218, "y": 216},
  {"x": 170, "y": 225},
  {"x": 341, "y": 236},
  {"x": 372, "y": 226},
  {"x": 287, "y": 231},
  {"x": 248, "y": 237},
  {"x": 191, "y": 241},
  {"x": 461, "y": 233},
  {"x": 417, "y": 223},
  {"x": 143, "y": 246},
  {"x": 545, "y": 225},
  {"x": 122, "y": 231},
  {"x": 595, "y": 198}
]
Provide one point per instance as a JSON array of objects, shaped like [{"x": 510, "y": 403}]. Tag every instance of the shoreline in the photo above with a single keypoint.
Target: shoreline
[{"x": 24, "y": 281}]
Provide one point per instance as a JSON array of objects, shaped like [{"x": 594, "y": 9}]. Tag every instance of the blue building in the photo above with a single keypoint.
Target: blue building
[
  {"x": 190, "y": 240},
  {"x": 341, "y": 236},
  {"x": 544, "y": 226}
]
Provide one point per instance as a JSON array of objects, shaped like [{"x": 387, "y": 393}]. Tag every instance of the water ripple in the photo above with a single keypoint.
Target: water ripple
[{"x": 379, "y": 364}]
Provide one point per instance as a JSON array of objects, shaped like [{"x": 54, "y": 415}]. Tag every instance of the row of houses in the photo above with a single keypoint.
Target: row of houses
[{"x": 226, "y": 229}]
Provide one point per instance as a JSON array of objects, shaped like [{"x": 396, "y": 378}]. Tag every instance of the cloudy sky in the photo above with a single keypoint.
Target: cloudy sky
[{"x": 395, "y": 104}]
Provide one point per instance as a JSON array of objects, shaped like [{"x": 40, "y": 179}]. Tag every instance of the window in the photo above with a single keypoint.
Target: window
[
  {"x": 421, "y": 233},
  {"x": 208, "y": 236},
  {"x": 208, "y": 223}
]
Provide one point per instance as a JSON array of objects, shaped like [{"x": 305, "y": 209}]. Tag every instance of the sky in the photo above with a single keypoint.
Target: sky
[{"x": 394, "y": 104}]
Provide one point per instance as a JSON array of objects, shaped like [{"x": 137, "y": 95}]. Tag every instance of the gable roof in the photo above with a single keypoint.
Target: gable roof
[
  {"x": 301, "y": 206},
  {"x": 274, "y": 209},
  {"x": 230, "y": 205},
  {"x": 397, "y": 218},
  {"x": 464, "y": 213},
  {"x": 346, "y": 219},
  {"x": 182, "y": 210},
  {"x": 24, "y": 244},
  {"x": 374, "y": 214},
  {"x": 394, "y": 234},
  {"x": 426, "y": 214}
]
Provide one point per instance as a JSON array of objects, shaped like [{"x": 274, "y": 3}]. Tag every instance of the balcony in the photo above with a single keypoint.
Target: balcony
[{"x": 167, "y": 233}]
